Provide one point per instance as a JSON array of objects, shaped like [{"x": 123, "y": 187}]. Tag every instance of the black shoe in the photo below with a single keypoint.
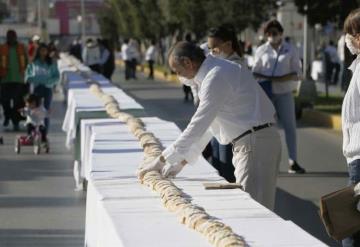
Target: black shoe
[
  {"x": 6, "y": 122},
  {"x": 296, "y": 169}
]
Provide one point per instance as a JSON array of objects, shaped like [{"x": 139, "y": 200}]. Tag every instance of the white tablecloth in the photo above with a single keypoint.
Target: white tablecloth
[
  {"x": 121, "y": 212},
  {"x": 82, "y": 100}
]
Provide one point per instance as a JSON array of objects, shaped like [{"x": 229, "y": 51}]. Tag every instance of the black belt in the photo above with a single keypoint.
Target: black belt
[{"x": 254, "y": 129}]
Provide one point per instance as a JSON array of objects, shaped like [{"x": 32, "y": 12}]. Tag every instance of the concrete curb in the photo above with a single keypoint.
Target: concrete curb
[
  {"x": 159, "y": 75},
  {"x": 323, "y": 119}
]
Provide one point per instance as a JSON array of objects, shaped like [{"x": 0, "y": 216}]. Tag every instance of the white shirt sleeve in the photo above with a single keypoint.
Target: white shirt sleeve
[{"x": 212, "y": 97}]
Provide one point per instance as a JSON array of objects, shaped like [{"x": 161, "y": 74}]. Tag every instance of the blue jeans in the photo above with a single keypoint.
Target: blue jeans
[
  {"x": 45, "y": 94},
  {"x": 354, "y": 177},
  {"x": 222, "y": 160},
  {"x": 285, "y": 109}
]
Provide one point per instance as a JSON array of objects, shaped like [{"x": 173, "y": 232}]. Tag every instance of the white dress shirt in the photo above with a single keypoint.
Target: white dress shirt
[
  {"x": 350, "y": 115},
  {"x": 288, "y": 62},
  {"x": 231, "y": 102},
  {"x": 125, "y": 52},
  {"x": 150, "y": 53}
]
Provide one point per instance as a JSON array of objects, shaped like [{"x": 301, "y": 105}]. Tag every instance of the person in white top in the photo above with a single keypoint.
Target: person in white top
[
  {"x": 234, "y": 109},
  {"x": 126, "y": 55},
  {"x": 350, "y": 113},
  {"x": 150, "y": 57},
  {"x": 332, "y": 63},
  {"x": 282, "y": 56},
  {"x": 91, "y": 55}
]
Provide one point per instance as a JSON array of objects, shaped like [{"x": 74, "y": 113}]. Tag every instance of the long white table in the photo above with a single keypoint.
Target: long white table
[{"x": 122, "y": 212}]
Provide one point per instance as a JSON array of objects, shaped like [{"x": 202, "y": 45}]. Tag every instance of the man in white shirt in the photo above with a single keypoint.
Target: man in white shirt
[
  {"x": 234, "y": 109},
  {"x": 127, "y": 57},
  {"x": 150, "y": 57}
]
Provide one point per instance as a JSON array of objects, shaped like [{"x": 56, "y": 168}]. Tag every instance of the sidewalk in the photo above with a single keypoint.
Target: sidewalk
[{"x": 38, "y": 205}]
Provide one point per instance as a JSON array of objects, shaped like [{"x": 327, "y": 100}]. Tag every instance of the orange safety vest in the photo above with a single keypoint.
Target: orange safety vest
[{"x": 4, "y": 58}]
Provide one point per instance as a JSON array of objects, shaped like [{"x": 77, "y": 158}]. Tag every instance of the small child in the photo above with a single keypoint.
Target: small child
[{"x": 35, "y": 115}]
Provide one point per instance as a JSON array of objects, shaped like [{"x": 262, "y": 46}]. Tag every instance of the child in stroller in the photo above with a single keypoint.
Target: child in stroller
[{"x": 35, "y": 115}]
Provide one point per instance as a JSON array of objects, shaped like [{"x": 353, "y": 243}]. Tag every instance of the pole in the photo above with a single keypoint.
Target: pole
[
  {"x": 39, "y": 20},
  {"x": 83, "y": 18},
  {"x": 305, "y": 47}
]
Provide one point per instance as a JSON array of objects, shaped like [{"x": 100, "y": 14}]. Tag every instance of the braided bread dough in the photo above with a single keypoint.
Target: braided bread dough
[{"x": 193, "y": 216}]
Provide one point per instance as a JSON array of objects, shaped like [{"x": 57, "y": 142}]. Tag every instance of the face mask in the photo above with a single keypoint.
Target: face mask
[
  {"x": 350, "y": 40},
  {"x": 219, "y": 55},
  {"x": 185, "y": 81},
  {"x": 274, "y": 39}
]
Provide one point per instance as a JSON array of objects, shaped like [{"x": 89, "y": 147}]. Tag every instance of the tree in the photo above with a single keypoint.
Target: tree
[
  {"x": 4, "y": 12},
  {"x": 160, "y": 18},
  {"x": 324, "y": 11}
]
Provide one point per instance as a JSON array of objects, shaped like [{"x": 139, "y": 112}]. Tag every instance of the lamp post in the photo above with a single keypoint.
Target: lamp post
[
  {"x": 79, "y": 20},
  {"x": 305, "y": 53},
  {"x": 83, "y": 17}
]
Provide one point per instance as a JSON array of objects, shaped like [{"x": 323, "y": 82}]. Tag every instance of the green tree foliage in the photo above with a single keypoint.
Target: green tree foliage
[
  {"x": 3, "y": 10},
  {"x": 323, "y": 11},
  {"x": 153, "y": 19}
]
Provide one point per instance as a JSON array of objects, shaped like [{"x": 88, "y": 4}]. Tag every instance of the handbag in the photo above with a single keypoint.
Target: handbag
[
  {"x": 266, "y": 85},
  {"x": 339, "y": 214}
]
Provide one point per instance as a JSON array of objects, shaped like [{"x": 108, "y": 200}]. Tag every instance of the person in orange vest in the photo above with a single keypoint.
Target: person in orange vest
[{"x": 13, "y": 63}]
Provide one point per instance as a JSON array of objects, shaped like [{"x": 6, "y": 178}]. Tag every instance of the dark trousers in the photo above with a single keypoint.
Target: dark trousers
[
  {"x": 151, "y": 67},
  {"x": 45, "y": 94},
  {"x": 187, "y": 92},
  {"x": 128, "y": 68},
  {"x": 107, "y": 72},
  {"x": 96, "y": 68},
  {"x": 222, "y": 160},
  {"x": 332, "y": 72},
  {"x": 12, "y": 99},
  {"x": 354, "y": 178},
  {"x": 133, "y": 68},
  {"x": 30, "y": 128}
]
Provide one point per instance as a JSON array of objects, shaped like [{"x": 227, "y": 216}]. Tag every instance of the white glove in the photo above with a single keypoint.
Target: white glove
[
  {"x": 172, "y": 170},
  {"x": 154, "y": 165}
]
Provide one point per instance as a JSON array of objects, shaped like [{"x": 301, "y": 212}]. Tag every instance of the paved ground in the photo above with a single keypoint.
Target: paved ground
[
  {"x": 297, "y": 195},
  {"x": 38, "y": 205}
]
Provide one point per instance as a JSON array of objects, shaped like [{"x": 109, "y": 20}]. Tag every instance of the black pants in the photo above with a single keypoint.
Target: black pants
[
  {"x": 96, "y": 68},
  {"x": 12, "y": 99},
  {"x": 187, "y": 92},
  {"x": 128, "y": 68},
  {"x": 151, "y": 67},
  {"x": 332, "y": 73},
  {"x": 30, "y": 128},
  {"x": 133, "y": 68}
]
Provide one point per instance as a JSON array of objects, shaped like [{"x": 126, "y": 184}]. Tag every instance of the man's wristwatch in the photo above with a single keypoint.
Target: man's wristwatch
[{"x": 162, "y": 159}]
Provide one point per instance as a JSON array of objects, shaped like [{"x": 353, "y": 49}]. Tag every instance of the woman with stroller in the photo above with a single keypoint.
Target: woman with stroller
[{"x": 43, "y": 74}]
